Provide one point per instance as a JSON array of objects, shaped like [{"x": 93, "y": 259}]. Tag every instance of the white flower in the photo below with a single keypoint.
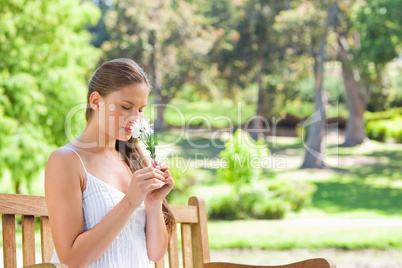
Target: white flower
[
  {"x": 141, "y": 128},
  {"x": 136, "y": 129},
  {"x": 147, "y": 126}
]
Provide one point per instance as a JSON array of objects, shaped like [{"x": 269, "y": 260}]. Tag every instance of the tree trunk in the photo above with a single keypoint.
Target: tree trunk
[
  {"x": 356, "y": 102},
  {"x": 314, "y": 158},
  {"x": 257, "y": 126},
  {"x": 355, "y": 98}
]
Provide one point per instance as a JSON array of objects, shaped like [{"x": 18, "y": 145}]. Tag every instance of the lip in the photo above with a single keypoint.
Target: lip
[{"x": 127, "y": 129}]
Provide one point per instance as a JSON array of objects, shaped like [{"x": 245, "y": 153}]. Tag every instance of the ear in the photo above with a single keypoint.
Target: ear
[{"x": 94, "y": 100}]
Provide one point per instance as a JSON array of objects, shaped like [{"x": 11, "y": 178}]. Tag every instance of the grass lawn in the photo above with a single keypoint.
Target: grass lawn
[
  {"x": 294, "y": 234},
  {"x": 364, "y": 186}
]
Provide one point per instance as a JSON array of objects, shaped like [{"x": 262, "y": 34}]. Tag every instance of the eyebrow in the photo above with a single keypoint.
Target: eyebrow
[{"x": 134, "y": 104}]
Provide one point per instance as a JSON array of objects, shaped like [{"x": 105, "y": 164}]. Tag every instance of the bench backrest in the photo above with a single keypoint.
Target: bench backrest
[{"x": 192, "y": 220}]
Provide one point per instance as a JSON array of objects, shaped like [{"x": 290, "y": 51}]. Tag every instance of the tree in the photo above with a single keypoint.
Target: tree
[
  {"x": 249, "y": 54},
  {"x": 45, "y": 57},
  {"x": 369, "y": 34},
  {"x": 167, "y": 37},
  {"x": 258, "y": 49},
  {"x": 307, "y": 26}
]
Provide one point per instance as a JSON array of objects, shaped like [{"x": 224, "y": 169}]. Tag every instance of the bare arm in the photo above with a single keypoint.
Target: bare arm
[
  {"x": 156, "y": 232},
  {"x": 76, "y": 247}
]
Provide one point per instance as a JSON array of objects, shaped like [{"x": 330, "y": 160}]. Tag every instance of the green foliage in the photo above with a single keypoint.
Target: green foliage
[
  {"x": 297, "y": 193},
  {"x": 385, "y": 125},
  {"x": 388, "y": 114},
  {"x": 242, "y": 156},
  {"x": 333, "y": 84},
  {"x": 371, "y": 34},
  {"x": 169, "y": 40},
  {"x": 378, "y": 23},
  {"x": 271, "y": 208},
  {"x": 279, "y": 198},
  {"x": 393, "y": 74},
  {"x": 224, "y": 207},
  {"x": 377, "y": 130},
  {"x": 383, "y": 130},
  {"x": 45, "y": 59},
  {"x": 242, "y": 172}
]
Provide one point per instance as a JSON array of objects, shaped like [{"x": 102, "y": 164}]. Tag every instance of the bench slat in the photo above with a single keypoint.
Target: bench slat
[
  {"x": 28, "y": 240},
  {"x": 185, "y": 214},
  {"x": 186, "y": 245},
  {"x": 160, "y": 264},
  {"x": 9, "y": 246},
  {"x": 173, "y": 251},
  {"x": 46, "y": 239},
  {"x": 199, "y": 232},
  {"x": 23, "y": 205}
]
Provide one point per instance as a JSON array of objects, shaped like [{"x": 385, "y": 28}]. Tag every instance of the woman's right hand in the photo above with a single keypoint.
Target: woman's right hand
[{"x": 143, "y": 181}]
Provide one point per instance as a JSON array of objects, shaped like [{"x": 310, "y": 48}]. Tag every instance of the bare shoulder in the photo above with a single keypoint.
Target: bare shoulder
[{"x": 64, "y": 168}]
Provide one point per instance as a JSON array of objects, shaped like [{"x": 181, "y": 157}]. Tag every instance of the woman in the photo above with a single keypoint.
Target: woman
[{"x": 106, "y": 204}]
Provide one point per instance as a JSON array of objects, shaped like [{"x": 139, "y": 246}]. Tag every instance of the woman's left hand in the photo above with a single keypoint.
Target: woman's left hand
[{"x": 155, "y": 197}]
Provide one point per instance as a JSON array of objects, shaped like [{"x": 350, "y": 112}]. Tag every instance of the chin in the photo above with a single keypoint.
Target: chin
[{"x": 125, "y": 137}]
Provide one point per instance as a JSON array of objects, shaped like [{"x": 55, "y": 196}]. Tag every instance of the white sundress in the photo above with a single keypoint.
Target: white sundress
[{"x": 129, "y": 248}]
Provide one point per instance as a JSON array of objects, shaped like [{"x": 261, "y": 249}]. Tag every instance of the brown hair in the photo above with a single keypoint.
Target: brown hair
[{"x": 112, "y": 76}]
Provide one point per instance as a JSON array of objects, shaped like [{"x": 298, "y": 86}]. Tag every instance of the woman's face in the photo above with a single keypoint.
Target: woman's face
[{"x": 121, "y": 108}]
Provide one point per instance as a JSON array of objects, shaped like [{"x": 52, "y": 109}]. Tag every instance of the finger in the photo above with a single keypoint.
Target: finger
[
  {"x": 163, "y": 166},
  {"x": 143, "y": 170},
  {"x": 149, "y": 169},
  {"x": 167, "y": 174},
  {"x": 155, "y": 174},
  {"x": 160, "y": 171},
  {"x": 153, "y": 185},
  {"x": 149, "y": 176},
  {"x": 169, "y": 182}
]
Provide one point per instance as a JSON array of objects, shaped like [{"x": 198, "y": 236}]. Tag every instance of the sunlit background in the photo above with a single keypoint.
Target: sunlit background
[{"x": 285, "y": 116}]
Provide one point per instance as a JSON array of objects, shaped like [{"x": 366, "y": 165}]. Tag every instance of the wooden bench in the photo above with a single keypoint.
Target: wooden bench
[{"x": 193, "y": 228}]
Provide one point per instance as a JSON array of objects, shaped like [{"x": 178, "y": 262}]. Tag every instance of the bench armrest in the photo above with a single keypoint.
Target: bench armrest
[
  {"x": 311, "y": 263},
  {"x": 47, "y": 265}
]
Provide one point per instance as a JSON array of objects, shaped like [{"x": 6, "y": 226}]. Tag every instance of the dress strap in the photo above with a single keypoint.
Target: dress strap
[{"x": 78, "y": 157}]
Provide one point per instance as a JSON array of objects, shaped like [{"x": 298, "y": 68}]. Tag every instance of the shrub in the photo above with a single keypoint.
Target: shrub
[
  {"x": 224, "y": 207},
  {"x": 398, "y": 135},
  {"x": 297, "y": 193},
  {"x": 382, "y": 130},
  {"x": 388, "y": 114},
  {"x": 376, "y": 130},
  {"x": 274, "y": 202},
  {"x": 271, "y": 208},
  {"x": 240, "y": 153}
]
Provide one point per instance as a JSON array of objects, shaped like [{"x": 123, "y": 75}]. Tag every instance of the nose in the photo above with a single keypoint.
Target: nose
[{"x": 134, "y": 118}]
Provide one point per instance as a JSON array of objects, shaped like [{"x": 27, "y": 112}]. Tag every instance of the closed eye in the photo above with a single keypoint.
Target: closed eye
[{"x": 125, "y": 108}]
